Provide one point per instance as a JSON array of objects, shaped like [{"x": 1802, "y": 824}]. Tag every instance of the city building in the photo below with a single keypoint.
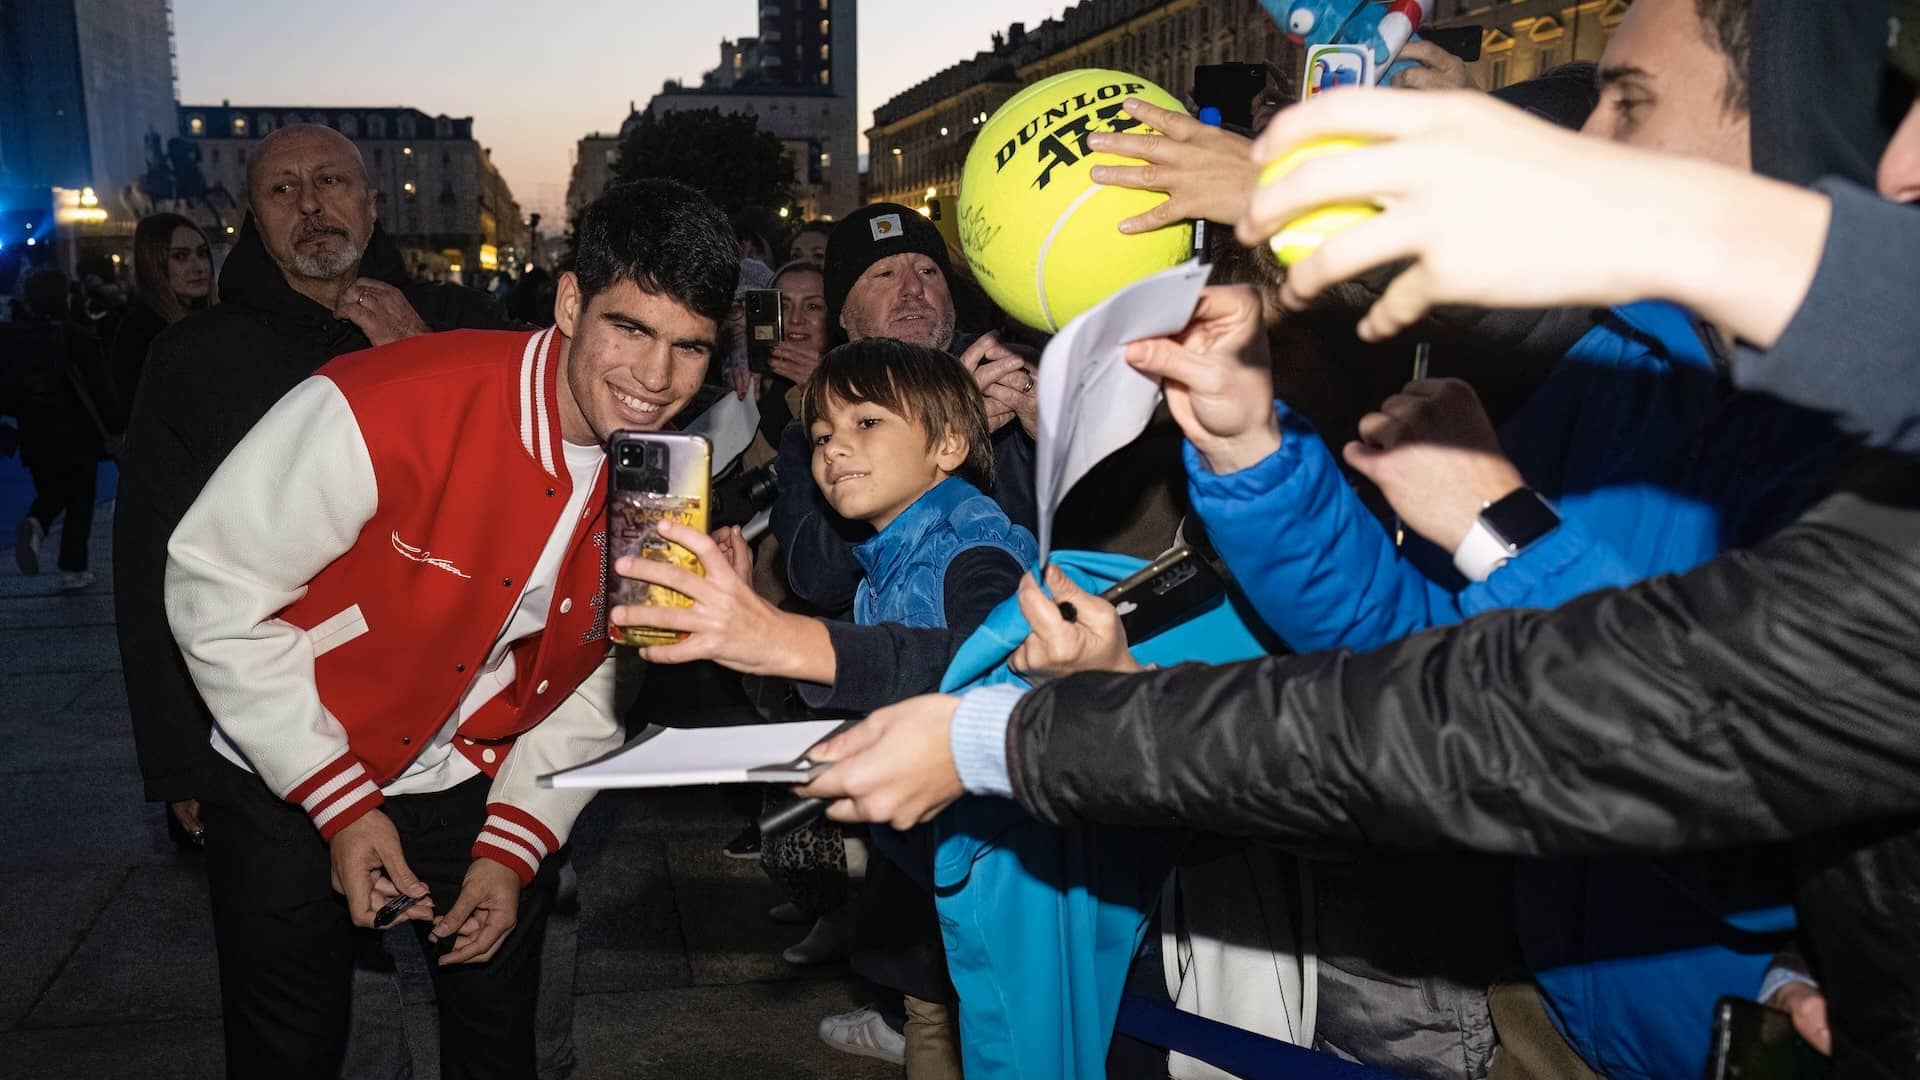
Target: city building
[
  {"x": 1524, "y": 38},
  {"x": 919, "y": 139},
  {"x": 798, "y": 79},
  {"x": 593, "y": 158},
  {"x": 82, "y": 85},
  {"x": 441, "y": 198}
]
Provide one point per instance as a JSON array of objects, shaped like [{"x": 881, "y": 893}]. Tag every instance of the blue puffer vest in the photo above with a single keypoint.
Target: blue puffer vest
[{"x": 906, "y": 562}]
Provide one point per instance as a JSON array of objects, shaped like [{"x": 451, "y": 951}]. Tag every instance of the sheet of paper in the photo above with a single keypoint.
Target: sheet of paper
[
  {"x": 683, "y": 757},
  {"x": 1091, "y": 402},
  {"x": 729, "y": 425}
]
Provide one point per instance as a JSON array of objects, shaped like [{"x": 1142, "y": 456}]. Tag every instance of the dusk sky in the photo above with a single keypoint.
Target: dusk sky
[{"x": 535, "y": 76}]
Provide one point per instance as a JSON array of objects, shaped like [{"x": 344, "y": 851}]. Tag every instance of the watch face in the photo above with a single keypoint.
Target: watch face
[{"x": 1520, "y": 519}]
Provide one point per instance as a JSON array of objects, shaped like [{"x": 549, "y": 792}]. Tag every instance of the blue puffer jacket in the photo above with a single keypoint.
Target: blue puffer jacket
[
  {"x": 1655, "y": 466},
  {"x": 904, "y": 566}
]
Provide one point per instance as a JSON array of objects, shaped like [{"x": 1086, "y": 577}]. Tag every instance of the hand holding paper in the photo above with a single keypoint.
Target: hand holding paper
[
  {"x": 1218, "y": 378},
  {"x": 1091, "y": 402}
]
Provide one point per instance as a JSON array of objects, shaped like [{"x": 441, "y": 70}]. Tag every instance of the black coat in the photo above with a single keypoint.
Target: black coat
[
  {"x": 208, "y": 378},
  {"x": 1766, "y": 696},
  {"x": 127, "y": 358},
  {"x": 55, "y": 370}
]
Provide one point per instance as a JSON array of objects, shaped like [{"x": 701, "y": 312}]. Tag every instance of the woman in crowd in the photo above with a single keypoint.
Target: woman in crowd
[{"x": 172, "y": 278}]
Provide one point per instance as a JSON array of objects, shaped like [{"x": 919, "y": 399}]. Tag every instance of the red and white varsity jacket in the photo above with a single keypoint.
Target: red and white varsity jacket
[{"x": 345, "y": 574}]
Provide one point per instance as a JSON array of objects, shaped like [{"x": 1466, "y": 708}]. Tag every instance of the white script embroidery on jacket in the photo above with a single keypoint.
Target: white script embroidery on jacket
[{"x": 421, "y": 555}]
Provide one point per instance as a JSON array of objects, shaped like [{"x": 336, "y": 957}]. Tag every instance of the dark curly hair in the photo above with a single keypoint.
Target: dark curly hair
[{"x": 664, "y": 237}]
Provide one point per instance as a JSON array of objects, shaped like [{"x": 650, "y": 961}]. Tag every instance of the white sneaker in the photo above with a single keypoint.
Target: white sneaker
[
  {"x": 823, "y": 944},
  {"x": 26, "y": 545},
  {"x": 864, "y": 1032},
  {"x": 76, "y": 580}
]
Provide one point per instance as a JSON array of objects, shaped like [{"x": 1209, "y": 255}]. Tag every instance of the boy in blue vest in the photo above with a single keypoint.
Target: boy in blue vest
[{"x": 900, "y": 448}]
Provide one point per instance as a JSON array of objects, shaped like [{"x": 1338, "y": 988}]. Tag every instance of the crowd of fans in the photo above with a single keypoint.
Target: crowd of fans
[{"x": 1588, "y": 652}]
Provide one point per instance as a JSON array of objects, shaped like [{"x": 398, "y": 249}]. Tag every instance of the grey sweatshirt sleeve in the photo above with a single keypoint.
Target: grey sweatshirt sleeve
[{"x": 1853, "y": 349}]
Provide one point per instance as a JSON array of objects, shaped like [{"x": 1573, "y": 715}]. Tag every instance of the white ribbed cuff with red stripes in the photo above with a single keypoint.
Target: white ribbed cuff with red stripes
[
  {"x": 515, "y": 839},
  {"x": 337, "y": 795}
]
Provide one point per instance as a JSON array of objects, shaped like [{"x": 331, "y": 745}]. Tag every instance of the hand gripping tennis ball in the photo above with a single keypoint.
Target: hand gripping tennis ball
[
  {"x": 1041, "y": 236},
  {"x": 1304, "y": 234}
]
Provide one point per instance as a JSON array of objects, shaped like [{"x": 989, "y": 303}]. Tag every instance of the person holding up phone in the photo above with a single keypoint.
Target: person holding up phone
[{"x": 389, "y": 597}]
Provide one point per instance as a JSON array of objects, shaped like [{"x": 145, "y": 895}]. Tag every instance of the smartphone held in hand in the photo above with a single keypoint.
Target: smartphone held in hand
[
  {"x": 657, "y": 476},
  {"x": 766, "y": 328}
]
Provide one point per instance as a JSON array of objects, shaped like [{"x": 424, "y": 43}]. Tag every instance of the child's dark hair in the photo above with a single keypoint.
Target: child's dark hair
[
  {"x": 664, "y": 237},
  {"x": 920, "y": 383}
]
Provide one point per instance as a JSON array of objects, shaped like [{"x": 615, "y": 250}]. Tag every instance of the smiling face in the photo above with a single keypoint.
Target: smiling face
[
  {"x": 189, "y": 265},
  {"x": 1664, "y": 84},
  {"x": 633, "y": 359},
  {"x": 904, "y": 297},
  {"x": 872, "y": 463},
  {"x": 311, "y": 202},
  {"x": 803, "y": 307}
]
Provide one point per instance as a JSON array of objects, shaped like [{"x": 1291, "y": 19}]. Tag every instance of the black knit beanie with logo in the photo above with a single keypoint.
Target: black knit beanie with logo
[{"x": 870, "y": 234}]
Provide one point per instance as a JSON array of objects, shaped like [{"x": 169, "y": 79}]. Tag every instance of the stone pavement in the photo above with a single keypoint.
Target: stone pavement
[{"x": 106, "y": 949}]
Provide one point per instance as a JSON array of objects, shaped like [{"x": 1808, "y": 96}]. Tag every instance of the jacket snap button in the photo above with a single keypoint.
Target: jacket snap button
[
  {"x": 549, "y": 493},
  {"x": 406, "y": 740},
  {"x": 506, "y": 582},
  {"x": 488, "y": 755},
  {"x": 542, "y": 688},
  {"x": 566, "y": 605},
  {"x": 459, "y": 667}
]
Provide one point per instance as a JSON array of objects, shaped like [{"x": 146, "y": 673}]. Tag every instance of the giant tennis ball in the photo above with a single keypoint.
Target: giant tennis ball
[
  {"x": 1304, "y": 234},
  {"x": 1041, "y": 236}
]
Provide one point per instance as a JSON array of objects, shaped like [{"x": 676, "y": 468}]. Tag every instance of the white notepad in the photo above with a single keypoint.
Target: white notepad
[{"x": 684, "y": 757}]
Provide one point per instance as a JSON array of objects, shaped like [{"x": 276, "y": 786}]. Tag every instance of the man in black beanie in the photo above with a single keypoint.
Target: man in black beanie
[
  {"x": 888, "y": 275},
  {"x": 892, "y": 264}
]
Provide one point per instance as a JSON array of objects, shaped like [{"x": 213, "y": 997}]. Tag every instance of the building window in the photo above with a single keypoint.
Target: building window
[
  {"x": 240, "y": 126},
  {"x": 377, "y": 126},
  {"x": 825, "y": 29},
  {"x": 443, "y": 128},
  {"x": 825, "y": 77},
  {"x": 406, "y": 127},
  {"x": 826, "y": 160},
  {"x": 348, "y": 125},
  {"x": 214, "y": 155},
  {"x": 263, "y": 124},
  {"x": 823, "y": 52},
  {"x": 379, "y": 155},
  {"x": 196, "y": 125},
  {"x": 1497, "y": 73}
]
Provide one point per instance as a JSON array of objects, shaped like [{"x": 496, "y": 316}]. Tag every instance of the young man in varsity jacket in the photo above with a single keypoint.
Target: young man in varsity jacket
[{"x": 390, "y": 596}]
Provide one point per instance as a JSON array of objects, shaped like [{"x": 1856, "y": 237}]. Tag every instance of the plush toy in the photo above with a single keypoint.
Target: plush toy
[{"x": 1385, "y": 28}]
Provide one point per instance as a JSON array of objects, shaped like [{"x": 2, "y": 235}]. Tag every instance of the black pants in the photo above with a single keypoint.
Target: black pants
[
  {"x": 286, "y": 942},
  {"x": 66, "y": 487}
]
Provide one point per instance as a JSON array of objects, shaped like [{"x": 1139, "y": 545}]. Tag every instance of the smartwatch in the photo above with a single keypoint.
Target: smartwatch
[{"x": 1505, "y": 528}]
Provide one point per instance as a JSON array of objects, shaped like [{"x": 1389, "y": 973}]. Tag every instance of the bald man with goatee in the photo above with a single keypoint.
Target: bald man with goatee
[{"x": 312, "y": 277}]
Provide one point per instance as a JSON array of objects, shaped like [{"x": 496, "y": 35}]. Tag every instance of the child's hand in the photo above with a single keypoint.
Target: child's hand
[
  {"x": 733, "y": 544},
  {"x": 1093, "y": 641},
  {"x": 895, "y": 767},
  {"x": 728, "y": 623}
]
